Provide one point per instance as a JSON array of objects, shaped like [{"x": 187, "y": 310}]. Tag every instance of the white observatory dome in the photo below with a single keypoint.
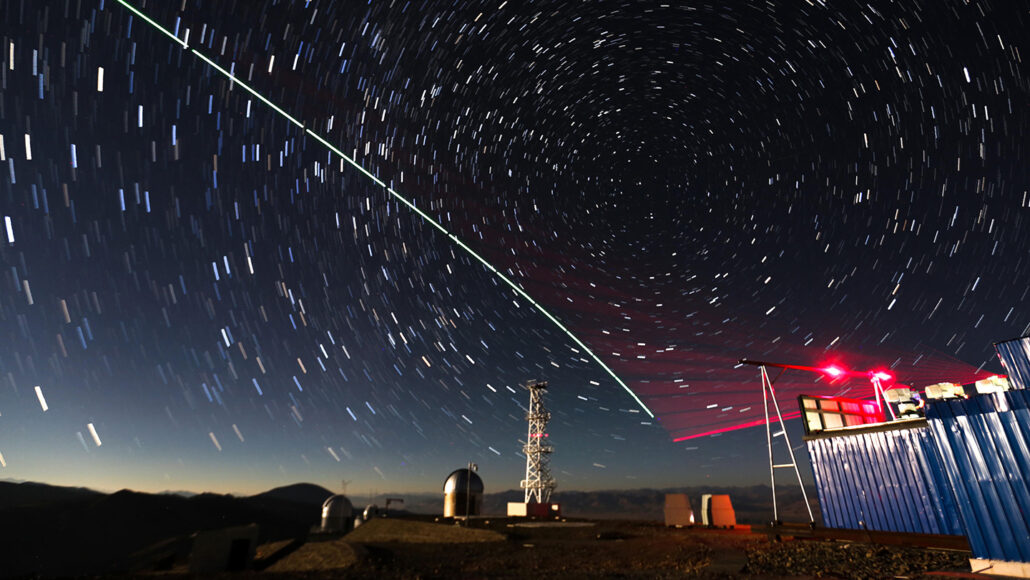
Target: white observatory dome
[
  {"x": 337, "y": 512},
  {"x": 462, "y": 494},
  {"x": 462, "y": 481}
]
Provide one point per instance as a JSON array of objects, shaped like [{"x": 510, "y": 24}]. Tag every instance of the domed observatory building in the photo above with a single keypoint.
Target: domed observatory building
[
  {"x": 462, "y": 494},
  {"x": 337, "y": 515}
]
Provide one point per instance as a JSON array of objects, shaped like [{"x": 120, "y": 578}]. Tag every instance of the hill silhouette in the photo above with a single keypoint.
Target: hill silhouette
[
  {"x": 68, "y": 533},
  {"x": 30, "y": 493},
  {"x": 304, "y": 493}
]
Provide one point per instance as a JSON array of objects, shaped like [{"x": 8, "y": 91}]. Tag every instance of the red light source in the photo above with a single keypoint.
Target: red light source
[
  {"x": 833, "y": 370},
  {"x": 882, "y": 375}
]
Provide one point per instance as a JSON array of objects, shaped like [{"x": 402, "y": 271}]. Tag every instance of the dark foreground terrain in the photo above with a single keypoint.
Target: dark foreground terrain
[
  {"x": 503, "y": 548},
  {"x": 66, "y": 532}
]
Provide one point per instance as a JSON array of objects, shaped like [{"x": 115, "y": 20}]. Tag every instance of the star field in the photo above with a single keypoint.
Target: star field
[{"x": 197, "y": 291}]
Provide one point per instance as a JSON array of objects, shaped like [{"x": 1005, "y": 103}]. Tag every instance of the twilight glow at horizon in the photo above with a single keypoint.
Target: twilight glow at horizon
[{"x": 248, "y": 244}]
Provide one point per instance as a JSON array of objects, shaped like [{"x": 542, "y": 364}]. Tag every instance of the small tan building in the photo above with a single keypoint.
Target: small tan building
[
  {"x": 677, "y": 510},
  {"x": 717, "y": 511}
]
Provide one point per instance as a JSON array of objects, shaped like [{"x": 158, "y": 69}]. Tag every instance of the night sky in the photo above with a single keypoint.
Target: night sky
[{"x": 197, "y": 293}]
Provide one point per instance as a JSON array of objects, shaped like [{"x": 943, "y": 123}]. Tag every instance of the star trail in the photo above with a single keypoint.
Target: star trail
[{"x": 249, "y": 243}]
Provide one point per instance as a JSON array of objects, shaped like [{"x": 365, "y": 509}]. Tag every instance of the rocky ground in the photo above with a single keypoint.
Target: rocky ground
[
  {"x": 500, "y": 548},
  {"x": 851, "y": 560}
]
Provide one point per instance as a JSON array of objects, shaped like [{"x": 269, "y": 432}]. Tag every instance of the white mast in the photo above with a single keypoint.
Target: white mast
[{"x": 538, "y": 483}]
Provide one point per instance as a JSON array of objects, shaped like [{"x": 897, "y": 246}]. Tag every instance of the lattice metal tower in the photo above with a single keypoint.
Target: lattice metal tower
[{"x": 538, "y": 483}]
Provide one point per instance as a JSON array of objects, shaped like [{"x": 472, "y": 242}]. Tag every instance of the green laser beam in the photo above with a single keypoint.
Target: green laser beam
[
  {"x": 149, "y": 21},
  {"x": 411, "y": 205},
  {"x": 259, "y": 96}
]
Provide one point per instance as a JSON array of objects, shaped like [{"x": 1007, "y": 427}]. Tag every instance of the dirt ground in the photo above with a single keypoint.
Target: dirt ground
[{"x": 503, "y": 548}]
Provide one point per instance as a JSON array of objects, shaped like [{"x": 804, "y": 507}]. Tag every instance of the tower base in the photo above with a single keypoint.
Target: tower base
[{"x": 533, "y": 509}]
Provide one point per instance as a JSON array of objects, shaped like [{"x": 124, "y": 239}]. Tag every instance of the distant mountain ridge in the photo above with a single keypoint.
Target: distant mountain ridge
[
  {"x": 28, "y": 493},
  {"x": 63, "y": 531},
  {"x": 179, "y": 492}
]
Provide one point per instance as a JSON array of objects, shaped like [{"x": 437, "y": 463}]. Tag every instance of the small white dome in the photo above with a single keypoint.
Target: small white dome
[{"x": 337, "y": 507}]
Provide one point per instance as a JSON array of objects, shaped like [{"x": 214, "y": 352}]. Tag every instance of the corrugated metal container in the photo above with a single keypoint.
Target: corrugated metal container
[
  {"x": 1015, "y": 356},
  {"x": 884, "y": 477},
  {"x": 984, "y": 442}
]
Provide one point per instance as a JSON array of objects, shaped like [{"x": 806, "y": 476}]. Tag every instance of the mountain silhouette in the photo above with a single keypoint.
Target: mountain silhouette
[{"x": 56, "y": 531}]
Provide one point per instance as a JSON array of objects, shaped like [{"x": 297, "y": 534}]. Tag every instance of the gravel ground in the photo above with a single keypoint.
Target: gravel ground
[
  {"x": 414, "y": 532},
  {"x": 850, "y": 560},
  {"x": 409, "y": 548}
]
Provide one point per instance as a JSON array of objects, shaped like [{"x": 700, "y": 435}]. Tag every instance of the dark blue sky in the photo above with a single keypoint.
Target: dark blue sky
[{"x": 225, "y": 304}]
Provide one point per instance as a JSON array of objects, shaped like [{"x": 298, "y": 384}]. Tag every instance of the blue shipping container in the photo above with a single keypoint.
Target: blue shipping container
[
  {"x": 886, "y": 477},
  {"x": 1015, "y": 357},
  {"x": 984, "y": 444}
]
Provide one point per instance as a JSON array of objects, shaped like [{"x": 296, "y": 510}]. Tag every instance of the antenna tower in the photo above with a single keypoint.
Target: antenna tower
[{"x": 538, "y": 483}]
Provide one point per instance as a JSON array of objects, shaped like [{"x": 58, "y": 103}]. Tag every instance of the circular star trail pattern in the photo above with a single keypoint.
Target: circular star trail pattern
[{"x": 205, "y": 295}]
